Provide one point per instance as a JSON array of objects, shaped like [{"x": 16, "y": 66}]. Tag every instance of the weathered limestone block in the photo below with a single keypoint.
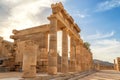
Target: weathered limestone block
[
  {"x": 52, "y": 56},
  {"x": 64, "y": 51},
  {"x": 29, "y": 51}
]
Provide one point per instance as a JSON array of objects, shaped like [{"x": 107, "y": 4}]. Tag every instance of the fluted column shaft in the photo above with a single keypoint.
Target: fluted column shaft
[
  {"x": 52, "y": 56},
  {"x": 64, "y": 51},
  {"x": 72, "y": 55}
]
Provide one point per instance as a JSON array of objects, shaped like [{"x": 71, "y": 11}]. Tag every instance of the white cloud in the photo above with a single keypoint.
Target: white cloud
[
  {"x": 25, "y": 14},
  {"x": 104, "y": 46},
  {"x": 106, "y": 49},
  {"x": 99, "y": 35},
  {"x": 79, "y": 14},
  {"x": 107, "y": 5}
]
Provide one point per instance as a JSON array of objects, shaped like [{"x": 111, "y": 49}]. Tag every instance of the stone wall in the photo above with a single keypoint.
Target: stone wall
[{"x": 6, "y": 55}]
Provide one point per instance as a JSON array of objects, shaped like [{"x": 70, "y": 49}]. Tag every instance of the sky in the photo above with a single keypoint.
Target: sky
[{"x": 99, "y": 21}]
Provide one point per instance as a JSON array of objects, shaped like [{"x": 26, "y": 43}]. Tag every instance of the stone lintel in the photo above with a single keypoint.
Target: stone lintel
[
  {"x": 67, "y": 25},
  {"x": 59, "y": 7},
  {"x": 42, "y": 28}
]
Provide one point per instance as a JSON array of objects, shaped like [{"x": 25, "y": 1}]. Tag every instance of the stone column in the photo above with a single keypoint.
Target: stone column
[
  {"x": 52, "y": 56},
  {"x": 72, "y": 55},
  {"x": 98, "y": 66},
  {"x": 91, "y": 58},
  {"x": 29, "y": 51},
  {"x": 91, "y": 61},
  {"x": 114, "y": 65},
  {"x": 78, "y": 57},
  {"x": 81, "y": 53},
  {"x": 86, "y": 59},
  {"x": 1, "y": 46},
  {"x": 83, "y": 58},
  {"x": 118, "y": 63},
  {"x": 43, "y": 52},
  {"x": 46, "y": 41},
  {"x": 64, "y": 51}
]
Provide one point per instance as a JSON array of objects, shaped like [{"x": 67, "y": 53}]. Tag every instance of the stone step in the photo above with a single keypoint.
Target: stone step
[{"x": 74, "y": 76}]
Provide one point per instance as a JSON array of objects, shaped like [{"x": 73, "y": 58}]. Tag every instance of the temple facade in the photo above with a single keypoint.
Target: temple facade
[{"x": 36, "y": 52}]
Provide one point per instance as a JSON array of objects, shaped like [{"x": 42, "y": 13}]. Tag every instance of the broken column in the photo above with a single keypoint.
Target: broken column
[
  {"x": 29, "y": 51},
  {"x": 64, "y": 51},
  {"x": 52, "y": 56}
]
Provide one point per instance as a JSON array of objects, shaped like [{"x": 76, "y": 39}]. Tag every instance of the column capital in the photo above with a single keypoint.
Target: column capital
[
  {"x": 51, "y": 17},
  {"x": 65, "y": 29}
]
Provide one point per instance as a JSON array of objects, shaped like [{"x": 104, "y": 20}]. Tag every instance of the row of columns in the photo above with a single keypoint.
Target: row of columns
[{"x": 80, "y": 57}]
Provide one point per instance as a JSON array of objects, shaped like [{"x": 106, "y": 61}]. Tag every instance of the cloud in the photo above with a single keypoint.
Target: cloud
[
  {"x": 104, "y": 46},
  {"x": 21, "y": 14},
  {"x": 100, "y": 35},
  {"x": 106, "y": 49},
  {"x": 79, "y": 14},
  {"x": 108, "y": 5}
]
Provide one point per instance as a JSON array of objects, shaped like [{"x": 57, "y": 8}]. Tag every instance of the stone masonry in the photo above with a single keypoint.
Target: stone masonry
[{"x": 32, "y": 44}]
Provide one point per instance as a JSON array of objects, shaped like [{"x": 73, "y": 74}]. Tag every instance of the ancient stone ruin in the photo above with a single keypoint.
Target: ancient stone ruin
[
  {"x": 117, "y": 64},
  {"x": 35, "y": 52},
  {"x": 6, "y": 56}
]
